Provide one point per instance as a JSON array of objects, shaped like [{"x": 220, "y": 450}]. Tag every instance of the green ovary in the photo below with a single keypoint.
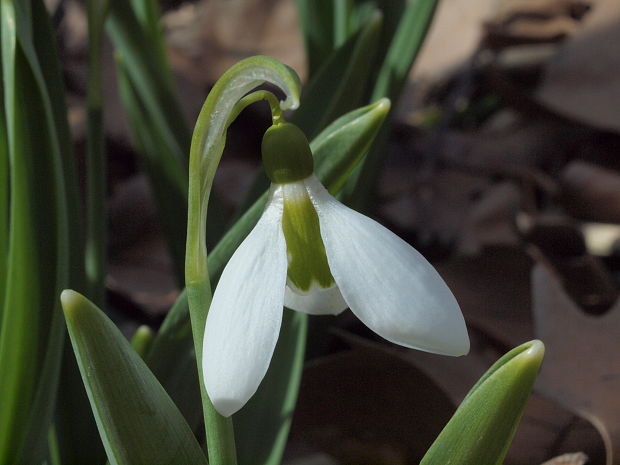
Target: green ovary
[{"x": 307, "y": 261}]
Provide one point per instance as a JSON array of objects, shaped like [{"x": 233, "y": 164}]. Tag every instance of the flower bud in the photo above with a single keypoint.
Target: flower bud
[{"x": 286, "y": 154}]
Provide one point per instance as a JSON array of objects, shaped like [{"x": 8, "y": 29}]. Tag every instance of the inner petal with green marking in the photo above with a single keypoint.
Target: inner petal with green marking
[{"x": 307, "y": 261}]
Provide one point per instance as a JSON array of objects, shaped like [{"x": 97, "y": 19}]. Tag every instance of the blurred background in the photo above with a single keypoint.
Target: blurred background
[{"x": 501, "y": 167}]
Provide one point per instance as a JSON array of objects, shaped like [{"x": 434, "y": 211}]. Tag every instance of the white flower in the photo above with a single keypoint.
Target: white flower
[{"x": 312, "y": 254}]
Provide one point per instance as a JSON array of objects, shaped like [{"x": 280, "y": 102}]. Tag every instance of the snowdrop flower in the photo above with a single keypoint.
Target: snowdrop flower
[{"x": 312, "y": 254}]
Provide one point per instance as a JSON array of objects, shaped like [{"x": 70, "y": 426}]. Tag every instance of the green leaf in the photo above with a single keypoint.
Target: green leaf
[
  {"x": 173, "y": 361},
  {"x": 138, "y": 422},
  {"x": 39, "y": 258},
  {"x": 340, "y": 83},
  {"x": 404, "y": 49},
  {"x": 482, "y": 428},
  {"x": 156, "y": 120},
  {"x": 390, "y": 81},
  {"x": 148, "y": 14},
  {"x": 317, "y": 19},
  {"x": 4, "y": 199},
  {"x": 142, "y": 340},
  {"x": 165, "y": 173},
  {"x": 96, "y": 218},
  {"x": 342, "y": 145},
  {"x": 342, "y": 21},
  {"x": 152, "y": 82},
  {"x": 74, "y": 421}
]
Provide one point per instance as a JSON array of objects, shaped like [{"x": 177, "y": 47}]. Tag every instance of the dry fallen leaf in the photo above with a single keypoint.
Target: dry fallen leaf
[
  {"x": 582, "y": 81},
  {"x": 582, "y": 366},
  {"x": 206, "y": 38},
  {"x": 590, "y": 192},
  {"x": 569, "y": 459},
  {"x": 527, "y": 21},
  {"x": 366, "y": 406}
]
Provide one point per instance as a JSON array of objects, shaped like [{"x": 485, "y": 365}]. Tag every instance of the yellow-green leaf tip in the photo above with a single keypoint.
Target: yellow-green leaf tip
[
  {"x": 71, "y": 301},
  {"x": 536, "y": 351},
  {"x": 383, "y": 105},
  {"x": 143, "y": 331}
]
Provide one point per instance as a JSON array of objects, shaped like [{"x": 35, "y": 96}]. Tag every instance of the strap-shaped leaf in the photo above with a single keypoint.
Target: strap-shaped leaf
[
  {"x": 158, "y": 127},
  {"x": 138, "y": 422},
  {"x": 39, "y": 261},
  {"x": 340, "y": 83},
  {"x": 482, "y": 428},
  {"x": 165, "y": 172},
  {"x": 317, "y": 19},
  {"x": 4, "y": 198},
  {"x": 391, "y": 79},
  {"x": 150, "y": 79}
]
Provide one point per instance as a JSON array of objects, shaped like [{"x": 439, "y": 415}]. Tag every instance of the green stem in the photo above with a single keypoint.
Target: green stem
[
  {"x": 95, "y": 160},
  {"x": 220, "y": 431},
  {"x": 274, "y": 105},
  {"x": 224, "y": 102}
]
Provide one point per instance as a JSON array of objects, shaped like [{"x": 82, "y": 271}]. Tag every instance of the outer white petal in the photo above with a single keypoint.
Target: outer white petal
[
  {"x": 386, "y": 282},
  {"x": 316, "y": 302},
  {"x": 244, "y": 319}
]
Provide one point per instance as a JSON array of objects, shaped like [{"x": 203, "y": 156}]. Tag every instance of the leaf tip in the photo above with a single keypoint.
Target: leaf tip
[
  {"x": 383, "y": 105},
  {"x": 535, "y": 352},
  {"x": 71, "y": 302}
]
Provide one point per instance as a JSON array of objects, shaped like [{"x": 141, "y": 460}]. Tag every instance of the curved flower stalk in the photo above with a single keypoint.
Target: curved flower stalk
[
  {"x": 225, "y": 100},
  {"x": 312, "y": 254}
]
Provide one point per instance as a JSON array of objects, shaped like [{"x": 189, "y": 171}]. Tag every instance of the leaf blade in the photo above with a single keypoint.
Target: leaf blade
[
  {"x": 483, "y": 426},
  {"x": 137, "y": 420}
]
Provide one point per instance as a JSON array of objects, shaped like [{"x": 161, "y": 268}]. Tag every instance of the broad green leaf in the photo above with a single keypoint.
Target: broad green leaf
[
  {"x": 137, "y": 420},
  {"x": 343, "y": 144},
  {"x": 38, "y": 255},
  {"x": 482, "y": 428},
  {"x": 336, "y": 151}
]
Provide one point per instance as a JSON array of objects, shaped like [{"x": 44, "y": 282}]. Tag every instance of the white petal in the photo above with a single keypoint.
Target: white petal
[
  {"x": 244, "y": 319},
  {"x": 316, "y": 302},
  {"x": 386, "y": 282}
]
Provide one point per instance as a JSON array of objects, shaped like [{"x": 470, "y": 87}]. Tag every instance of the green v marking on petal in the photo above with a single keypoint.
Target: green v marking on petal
[{"x": 307, "y": 261}]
